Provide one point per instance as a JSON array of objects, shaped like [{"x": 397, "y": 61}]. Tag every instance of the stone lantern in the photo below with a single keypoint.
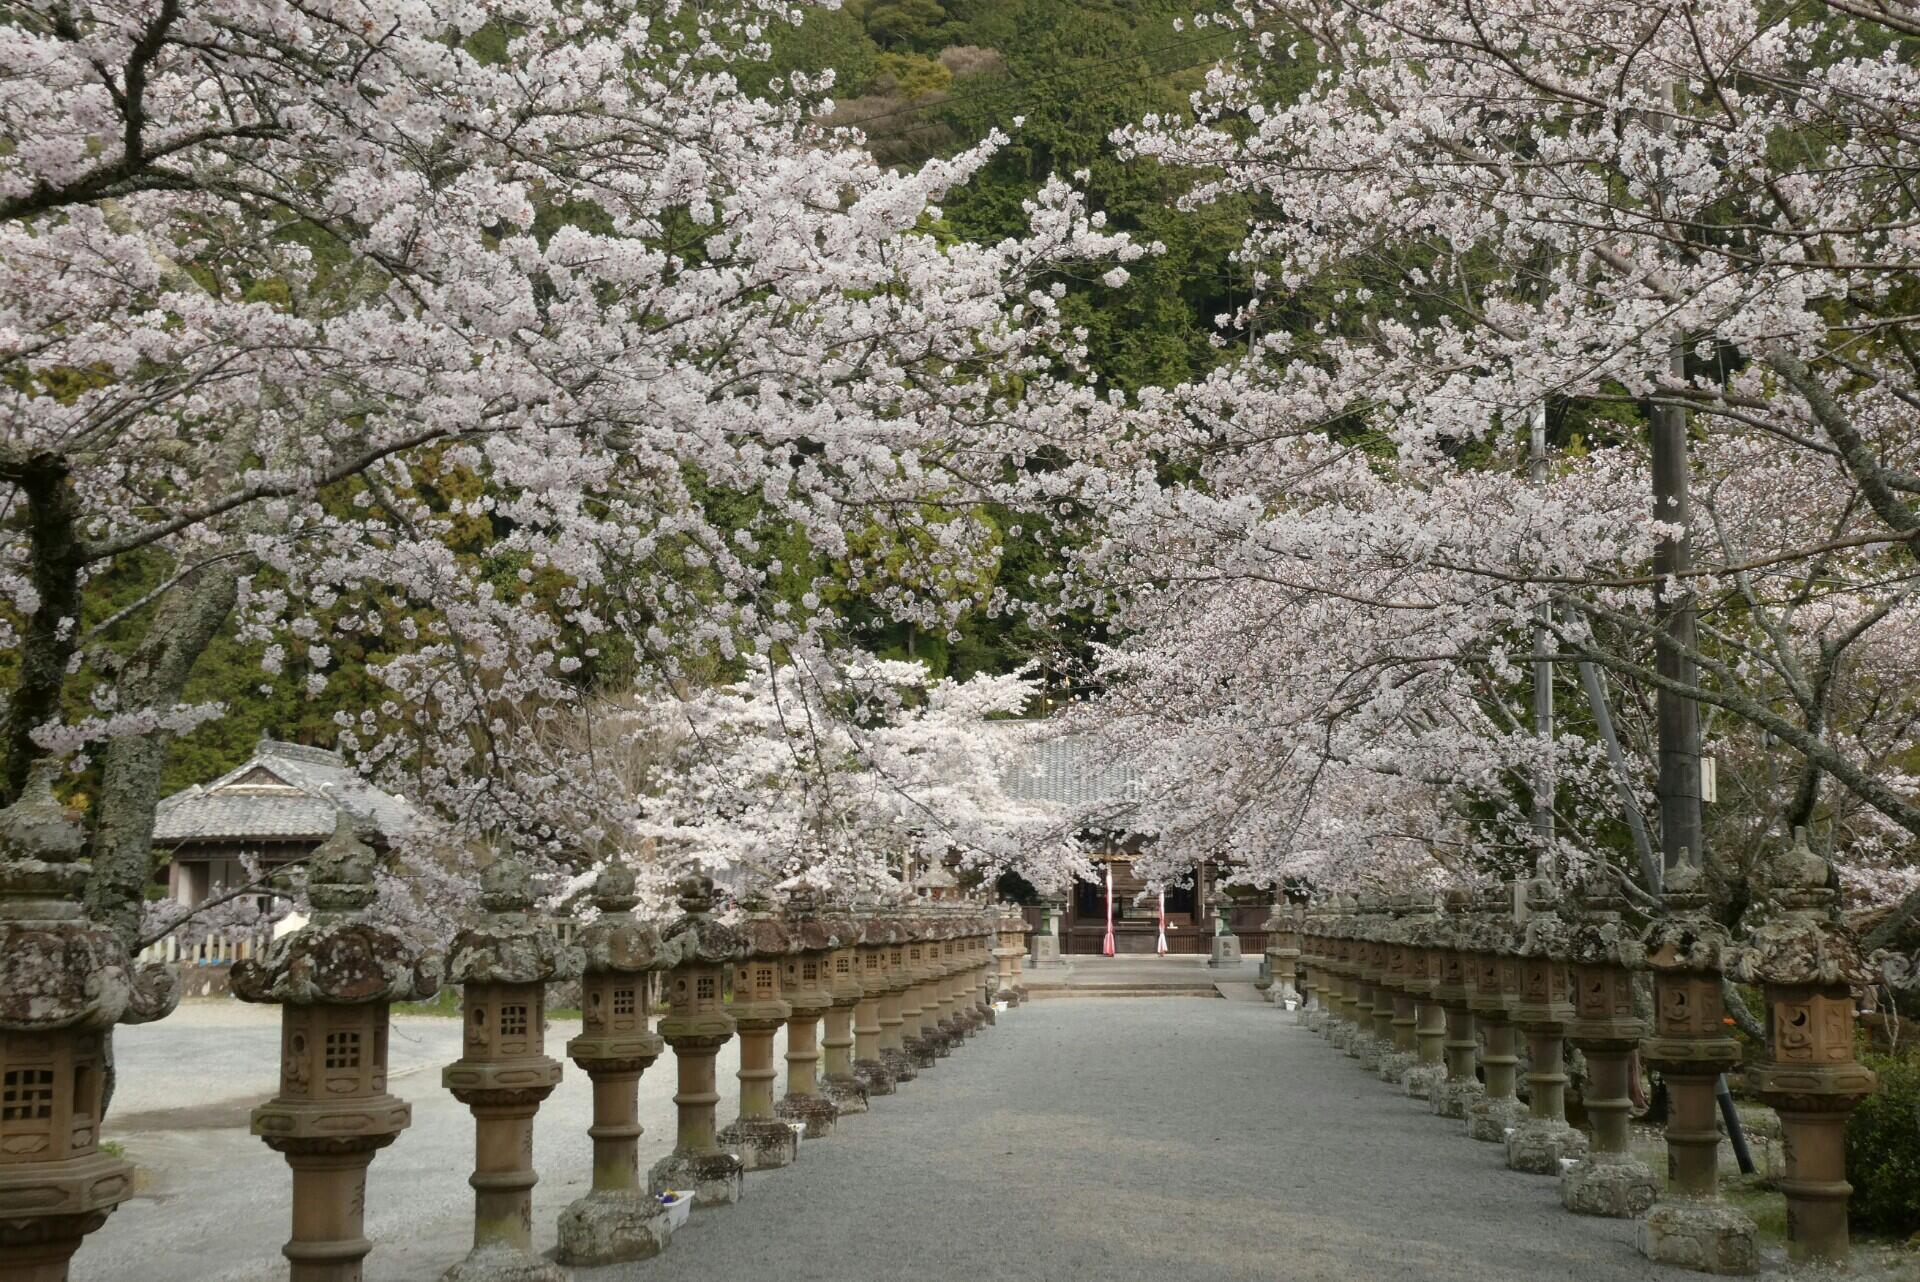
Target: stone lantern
[
  {"x": 806, "y": 986},
  {"x": 1379, "y": 968},
  {"x": 1343, "y": 989},
  {"x": 1046, "y": 940},
  {"x": 981, "y": 978},
  {"x": 1605, "y": 1028},
  {"x": 899, "y": 1060},
  {"x": 1013, "y": 924},
  {"x": 617, "y": 1219},
  {"x": 1429, "y": 1021},
  {"x": 1400, "y": 978},
  {"x": 917, "y": 996},
  {"x": 1364, "y": 1044},
  {"x": 64, "y": 982},
  {"x": 1543, "y": 1012},
  {"x": 1494, "y": 988},
  {"x": 503, "y": 964},
  {"x": 1452, "y": 992},
  {"x": 697, "y": 951},
  {"x": 1691, "y": 1046},
  {"x": 763, "y": 1141},
  {"x": 334, "y": 979},
  {"x": 840, "y": 1082},
  {"x": 936, "y": 999},
  {"x": 870, "y": 1021},
  {"x": 1312, "y": 952},
  {"x": 1283, "y": 954},
  {"x": 1809, "y": 966}
]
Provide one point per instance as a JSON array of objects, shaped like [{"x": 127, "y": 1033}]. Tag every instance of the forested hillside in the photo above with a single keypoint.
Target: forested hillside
[{"x": 920, "y": 79}]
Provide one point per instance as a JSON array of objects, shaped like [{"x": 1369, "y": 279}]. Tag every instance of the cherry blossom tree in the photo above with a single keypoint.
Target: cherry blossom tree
[
  {"x": 1678, "y": 236},
  {"x": 293, "y": 298}
]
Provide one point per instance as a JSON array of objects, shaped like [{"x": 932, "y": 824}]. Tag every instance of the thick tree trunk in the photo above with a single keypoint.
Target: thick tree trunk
[
  {"x": 54, "y": 559},
  {"x": 185, "y": 621}
]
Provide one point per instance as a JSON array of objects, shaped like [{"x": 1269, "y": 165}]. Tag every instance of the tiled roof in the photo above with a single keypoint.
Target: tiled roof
[
  {"x": 284, "y": 792},
  {"x": 1073, "y": 771}
]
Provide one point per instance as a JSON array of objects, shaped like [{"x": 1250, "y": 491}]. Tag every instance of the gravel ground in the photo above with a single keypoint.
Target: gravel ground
[{"x": 1099, "y": 1138}]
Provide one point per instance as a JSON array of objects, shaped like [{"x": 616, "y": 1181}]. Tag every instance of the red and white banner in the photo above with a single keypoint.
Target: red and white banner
[
  {"x": 1107, "y": 946},
  {"x": 1163, "y": 923}
]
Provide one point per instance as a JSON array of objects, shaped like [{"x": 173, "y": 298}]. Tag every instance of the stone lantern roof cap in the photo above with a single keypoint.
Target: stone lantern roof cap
[
  {"x": 763, "y": 932},
  {"x": 1685, "y": 939},
  {"x": 58, "y": 970},
  {"x": 339, "y": 958},
  {"x": 507, "y": 945},
  {"x": 810, "y": 931},
  {"x": 1798, "y": 939},
  {"x": 617, "y": 942},
  {"x": 695, "y": 938},
  {"x": 1546, "y": 933}
]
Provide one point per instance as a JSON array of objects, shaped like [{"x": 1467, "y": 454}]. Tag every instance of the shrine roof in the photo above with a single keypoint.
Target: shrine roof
[{"x": 284, "y": 792}]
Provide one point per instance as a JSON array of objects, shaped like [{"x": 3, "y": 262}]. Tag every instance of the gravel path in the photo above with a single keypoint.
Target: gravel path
[
  {"x": 1155, "y": 1138},
  {"x": 1084, "y": 1138}
]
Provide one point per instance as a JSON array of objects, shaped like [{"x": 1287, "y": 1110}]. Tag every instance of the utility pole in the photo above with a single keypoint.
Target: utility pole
[
  {"x": 1544, "y": 782},
  {"x": 1682, "y": 838}
]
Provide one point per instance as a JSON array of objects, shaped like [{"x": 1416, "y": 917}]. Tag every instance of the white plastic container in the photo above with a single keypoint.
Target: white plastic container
[{"x": 679, "y": 1208}]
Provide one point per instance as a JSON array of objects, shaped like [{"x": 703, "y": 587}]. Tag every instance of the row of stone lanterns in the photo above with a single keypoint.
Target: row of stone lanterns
[
  {"x": 896, "y": 987},
  {"x": 1416, "y": 990},
  {"x": 920, "y": 975}
]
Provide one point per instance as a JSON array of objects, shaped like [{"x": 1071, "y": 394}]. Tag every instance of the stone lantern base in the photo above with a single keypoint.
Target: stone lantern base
[
  {"x": 817, "y": 1113},
  {"x": 1395, "y": 1064},
  {"x": 1453, "y": 1099},
  {"x": 875, "y": 1077},
  {"x": 1610, "y": 1184},
  {"x": 503, "y": 1262},
  {"x": 1537, "y": 1146},
  {"x": 718, "y": 1178},
  {"x": 764, "y": 1143},
  {"x": 1422, "y": 1080},
  {"x": 1707, "y": 1237},
  {"x": 1489, "y": 1120},
  {"x": 849, "y": 1093},
  {"x": 613, "y": 1226}
]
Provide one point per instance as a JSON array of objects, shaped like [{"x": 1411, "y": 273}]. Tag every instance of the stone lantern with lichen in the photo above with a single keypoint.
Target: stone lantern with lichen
[
  {"x": 1313, "y": 952},
  {"x": 1358, "y": 925},
  {"x": 1494, "y": 989},
  {"x": 697, "y": 950},
  {"x": 1691, "y": 1046},
  {"x": 616, "y": 1220},
  {"x": 1007, "y": 941},
  {"x": 839, "y": 1081},
  {"x": 763, "y": 1141},
  {"x": 806, "y": 985},
  {"x": 1342, "y": 990},
  {"x": 334, "y": 980},
  {"x": 1452, "y": 992},
  {"x": 1400, "y": 978},
  {"x": 1423, "y": 931},
  {"x": 878, "y": 1012},
  {"x": 503, "y": 963},
  {"x": 64, "y": 983},
  {"x": 1606, "y": 1029},
  {"x": 1544, "y": 1012},
  {"x": 900, "y": 1061},
  {"x": 911, "y": 963},
  {"x": 1809, "y": 965}
]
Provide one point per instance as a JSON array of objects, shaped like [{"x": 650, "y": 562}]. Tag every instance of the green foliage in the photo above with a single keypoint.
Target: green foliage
[
  {"x": 906, "y": 24},
  {"x": 829, "y": 38},
  {"x": 910, "y": 75},
  {"x": 1883, "y": 1150}
]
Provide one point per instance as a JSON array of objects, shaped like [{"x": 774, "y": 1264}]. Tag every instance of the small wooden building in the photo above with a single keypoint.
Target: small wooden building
[
  {"x": 278, "y": 805},
  {"x": 1072, "y": 774}
]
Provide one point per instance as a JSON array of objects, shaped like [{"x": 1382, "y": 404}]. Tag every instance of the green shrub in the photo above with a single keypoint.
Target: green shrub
[{"x": 1883, "y": 1150}]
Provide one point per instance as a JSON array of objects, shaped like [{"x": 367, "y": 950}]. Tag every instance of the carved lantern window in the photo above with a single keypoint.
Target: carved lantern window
[{"x": 50, "y": 1086}]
